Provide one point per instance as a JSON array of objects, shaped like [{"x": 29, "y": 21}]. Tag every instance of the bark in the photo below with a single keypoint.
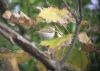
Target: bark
[{"x": 16, "y": 38}]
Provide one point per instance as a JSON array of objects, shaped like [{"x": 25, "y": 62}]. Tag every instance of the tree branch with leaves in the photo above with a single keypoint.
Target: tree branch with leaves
[
  {"x": 16, "y": 38},
  {"x": 78, "y": 22}
]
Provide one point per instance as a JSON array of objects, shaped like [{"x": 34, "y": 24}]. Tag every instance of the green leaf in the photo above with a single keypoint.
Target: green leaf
[{"x": 78, "y": 59}]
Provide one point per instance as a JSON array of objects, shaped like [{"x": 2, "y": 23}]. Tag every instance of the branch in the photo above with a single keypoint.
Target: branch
[
  {"x": 13, "y": 36},
  {"x": 68, "y": 8},
  {"x": 75, "y": 35}
]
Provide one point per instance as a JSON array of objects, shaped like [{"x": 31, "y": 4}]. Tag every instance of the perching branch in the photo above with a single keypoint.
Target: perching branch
[
  {"x": 14, "y": 37},
  {"x": 75, "y": 35}
]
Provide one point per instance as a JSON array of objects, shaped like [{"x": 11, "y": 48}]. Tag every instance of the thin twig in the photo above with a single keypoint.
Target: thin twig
[
  {"x": 68, "y": 8},
  {"x": 75, "y": 35}
]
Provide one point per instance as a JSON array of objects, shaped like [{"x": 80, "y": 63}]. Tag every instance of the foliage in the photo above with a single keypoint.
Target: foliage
[{"x": 53, "y": 13}]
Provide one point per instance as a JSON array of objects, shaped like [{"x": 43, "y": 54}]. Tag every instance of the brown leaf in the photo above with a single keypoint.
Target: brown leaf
[
  {"x": 19, "y": 18},
  {"x": 7, "y": 15}
]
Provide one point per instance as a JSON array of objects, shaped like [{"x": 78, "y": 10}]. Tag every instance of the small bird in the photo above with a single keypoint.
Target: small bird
[{"x": 47, "y": 33}]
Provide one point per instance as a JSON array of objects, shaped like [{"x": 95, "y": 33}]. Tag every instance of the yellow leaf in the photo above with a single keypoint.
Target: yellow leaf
[
  {"x": 53, "y": 14},
  {"x": 20, "y": 57},
  {"x": 63, "y": 12},
  {"x": 50, "y": 14},
  {"x": 57, "y": 42},
  {"x": 83, "y": 37}
]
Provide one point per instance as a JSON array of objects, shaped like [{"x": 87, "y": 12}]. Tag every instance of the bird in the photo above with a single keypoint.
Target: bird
[{"x": 47, "y": 33}]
